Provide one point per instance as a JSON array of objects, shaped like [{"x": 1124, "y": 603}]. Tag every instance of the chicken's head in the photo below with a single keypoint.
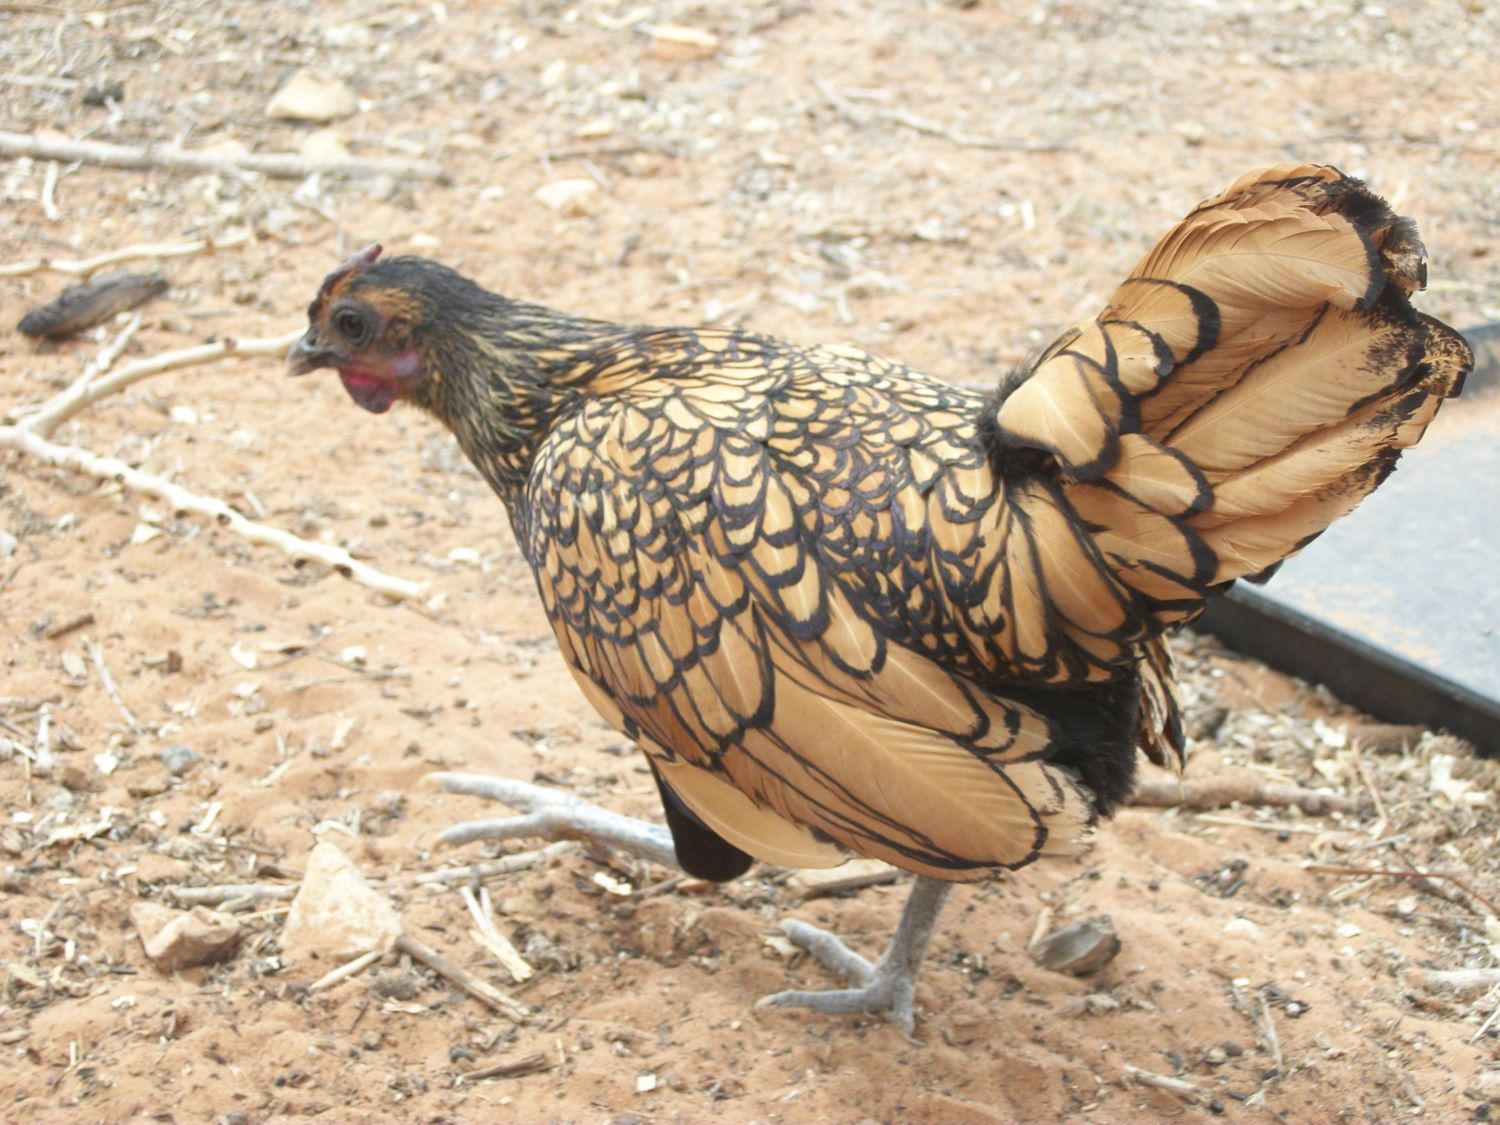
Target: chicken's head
[{"x": 367, "y": 327}]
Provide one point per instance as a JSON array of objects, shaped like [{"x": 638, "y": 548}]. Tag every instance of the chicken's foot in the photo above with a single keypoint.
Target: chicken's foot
[
  {"x": 886, "y": 986},
  {"x": 550, "y": 815},
  {"x": 889, "y": 985}
]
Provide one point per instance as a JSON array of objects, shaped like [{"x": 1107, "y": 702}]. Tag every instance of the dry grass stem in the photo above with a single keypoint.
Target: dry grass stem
[
  {"x": 276, "y": 165},
  {"x": 111, "y": 689}
]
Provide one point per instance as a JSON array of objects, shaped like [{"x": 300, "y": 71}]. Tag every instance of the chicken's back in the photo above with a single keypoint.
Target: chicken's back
[{"x": 728, "y": 523}]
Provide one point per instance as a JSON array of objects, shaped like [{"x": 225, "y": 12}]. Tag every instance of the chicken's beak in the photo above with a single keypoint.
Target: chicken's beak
[{"x": 308, "y": 354}]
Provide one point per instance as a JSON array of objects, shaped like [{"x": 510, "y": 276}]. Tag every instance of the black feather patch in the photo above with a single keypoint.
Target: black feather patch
[{"x": 701, "y": 851}]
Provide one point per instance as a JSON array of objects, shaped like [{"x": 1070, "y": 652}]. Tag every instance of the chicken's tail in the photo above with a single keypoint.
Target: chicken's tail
[{"x": 1254, "y": 378}]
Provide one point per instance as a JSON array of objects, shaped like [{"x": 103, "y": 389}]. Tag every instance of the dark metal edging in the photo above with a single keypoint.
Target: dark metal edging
[{"x": 1356, "y": 671}]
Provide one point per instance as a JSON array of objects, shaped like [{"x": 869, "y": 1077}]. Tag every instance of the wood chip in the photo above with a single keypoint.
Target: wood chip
[
  {"x": 857, "y": 873},
  {"x": 674, "y": 42}
]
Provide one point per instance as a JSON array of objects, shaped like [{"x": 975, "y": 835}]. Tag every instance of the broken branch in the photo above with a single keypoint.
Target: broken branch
[
  {"x": 1160, "y": 1081},
  {"x": 82, "y": 267},
  {"x": 232, "y": 892},
  {"x": 345, "y": 971},
  {"x": 1216, "y": 792},
  {"x": 511, "y": 1068},
  {"x": 278, "y": 165},
  {"x": 84, "y": 393},
  {"x": 1460, "y": 980},
  {"x": 480, "y": 990},
  {"x": 109, "y": 468},
  {"x": 508, "y": 865},
  {"x": 488, "y": 937}
]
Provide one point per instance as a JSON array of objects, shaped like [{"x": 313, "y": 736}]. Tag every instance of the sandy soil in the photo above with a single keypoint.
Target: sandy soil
[{"x": 946, "y": 184}]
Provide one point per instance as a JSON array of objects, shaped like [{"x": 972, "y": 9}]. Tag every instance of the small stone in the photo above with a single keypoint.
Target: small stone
[
  {"x": 180, "y": 939},
  {"x": 178, "y": 759},
  {"x": 1078, "y": 948},
  {"x": 1232, "y": 1049},
  {"x": 336, "y": 915},
  {"x": 1242, "y": 928},
  {"x": 323, "y": 144},
  {"x": 570, "y": 197},
  {"x": 102, "y": 93},
  {"x": 594, "y": 129},
  {"x": 673, "y": 41},
  {"x": 72, "y": 778},
  {"x": 311, "y": 96},
  {"x": 1192, "y": 133},
  {"x": 398, "y": 985},
  {"x": 154, "y": 867}
]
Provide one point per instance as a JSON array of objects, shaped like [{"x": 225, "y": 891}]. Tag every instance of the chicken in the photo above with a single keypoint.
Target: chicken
[{"x": 846, "y": 608}]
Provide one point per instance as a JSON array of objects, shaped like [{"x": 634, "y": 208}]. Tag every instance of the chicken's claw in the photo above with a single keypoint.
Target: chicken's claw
[{"x": 890, "y": 984}]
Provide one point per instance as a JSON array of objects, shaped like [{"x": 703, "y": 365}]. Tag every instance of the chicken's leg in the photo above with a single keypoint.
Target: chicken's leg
[
  {"x": 890, "y": 984},
  {"x": 554, "y": 816}
]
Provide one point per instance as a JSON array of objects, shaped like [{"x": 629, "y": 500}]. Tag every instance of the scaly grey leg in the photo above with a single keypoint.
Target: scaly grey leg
[{"x": 890, "y": 984}]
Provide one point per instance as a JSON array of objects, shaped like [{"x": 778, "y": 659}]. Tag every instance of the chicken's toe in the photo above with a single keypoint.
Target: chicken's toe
[
  {"x": 890, "y": 984},
  {"x": 550, "y": 815}
]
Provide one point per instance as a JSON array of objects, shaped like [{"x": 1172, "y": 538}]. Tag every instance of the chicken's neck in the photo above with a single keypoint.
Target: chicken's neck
[{"x": 501, "y": 381}]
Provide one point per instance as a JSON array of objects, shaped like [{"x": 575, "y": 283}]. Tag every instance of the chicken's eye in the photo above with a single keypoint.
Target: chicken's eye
[{"x": 351, "y": 325}]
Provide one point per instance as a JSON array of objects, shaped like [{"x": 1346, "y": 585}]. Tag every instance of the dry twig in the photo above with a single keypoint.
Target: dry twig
[
  {"x": 110, "y": 468},
  {"x": 918, "y": 124},
  {"x": 84, "y": 392},
  {"x": 278, "y": 165},
  {"x": 508, "y": 865},
  {"x": 42, "y": 744},
  {"x": 533, "y": 1063},
  {"x": 345, "y": 971},
  {"x": 232, "y": 892},
  {"x": 82, "y": 267},
  {"x": 488, "y": 937},
  {"x": 71, "y": 625},
  {"x": 1160, "y": 1081},
  {"x": 49, "y": 193},
  {"x": 479, "y": 989},
  {"x": 1460, "y": 980},
  {"x": 1216, "y": 792},
  {"x": 1406, "y": 873}
]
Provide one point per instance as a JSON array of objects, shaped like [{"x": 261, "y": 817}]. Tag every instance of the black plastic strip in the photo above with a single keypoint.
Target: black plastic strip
[{"x": 1373, "y": 679}]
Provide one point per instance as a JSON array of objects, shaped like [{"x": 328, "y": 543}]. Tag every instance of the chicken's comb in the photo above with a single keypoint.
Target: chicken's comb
[{"x": 355, "y": 261}]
